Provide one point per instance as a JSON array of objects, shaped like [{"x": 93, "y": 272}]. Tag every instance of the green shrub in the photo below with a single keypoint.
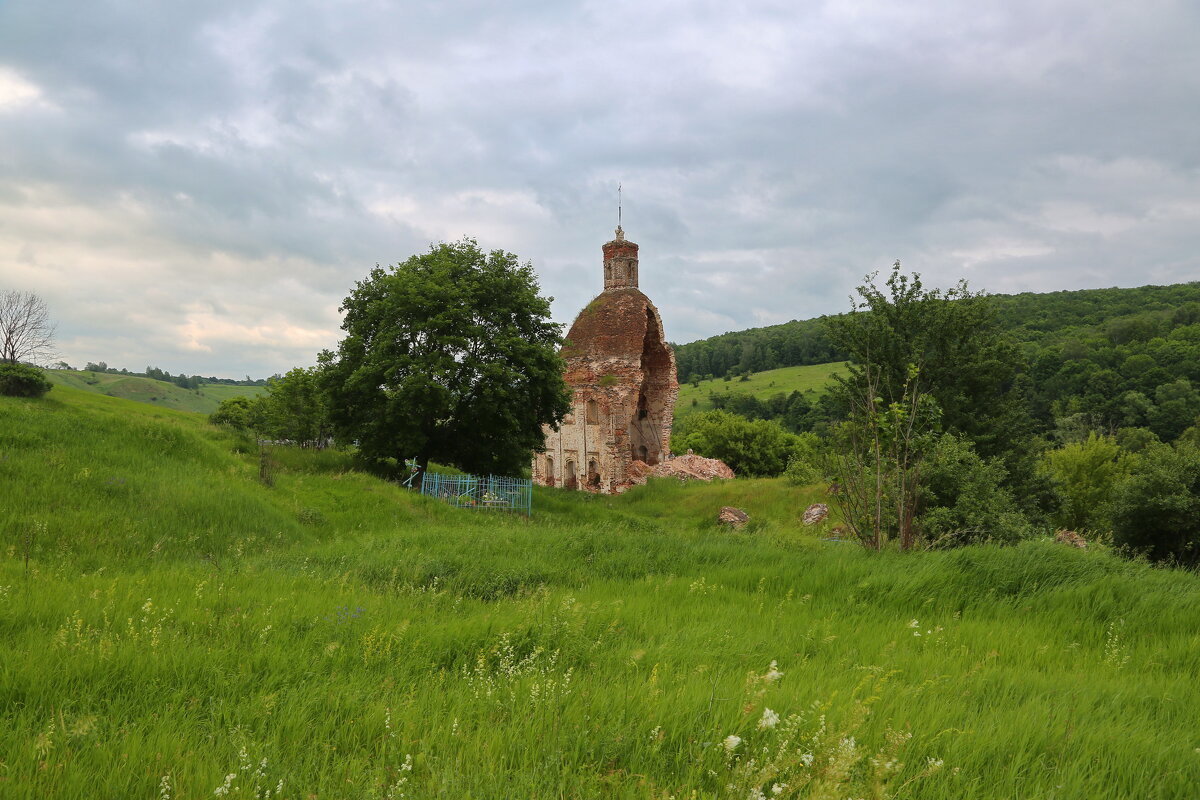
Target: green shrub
[
  {"x": 1084, "y": 474},
  {"x": 239, "y": 413},
  {"x": 751, "y": 448},
  {"x": 18, "y": 380},
  {"x": 963, "y": 499},
  {"x": 803, "y": 467},
  {"x": 1156, "y": 510}
]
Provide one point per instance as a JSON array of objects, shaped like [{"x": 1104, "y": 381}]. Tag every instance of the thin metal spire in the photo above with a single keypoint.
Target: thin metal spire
[{"x": 618, "y": 204}]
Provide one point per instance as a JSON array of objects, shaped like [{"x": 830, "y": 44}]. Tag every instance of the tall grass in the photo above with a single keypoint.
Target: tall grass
[{"x": 194, "y": 633}]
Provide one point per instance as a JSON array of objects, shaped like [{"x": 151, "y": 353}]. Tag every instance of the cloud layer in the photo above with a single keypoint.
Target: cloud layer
[{"x": 197, "y": 186}]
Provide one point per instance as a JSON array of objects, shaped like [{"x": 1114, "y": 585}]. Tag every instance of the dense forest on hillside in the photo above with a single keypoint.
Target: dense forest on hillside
[
  {"x": 1096, "y": 359},
  {"x": 792, "y": 344}
]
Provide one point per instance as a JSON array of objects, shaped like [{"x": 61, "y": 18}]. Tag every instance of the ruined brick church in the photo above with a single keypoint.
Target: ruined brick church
[{"x": 622, "y": 375}]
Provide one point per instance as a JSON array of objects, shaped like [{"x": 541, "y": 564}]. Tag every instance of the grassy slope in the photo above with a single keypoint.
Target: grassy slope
[
  {"x": 146, "y": 390},
  {"x": 175, "y": 611},
  {"x": 761, "y": 384}
]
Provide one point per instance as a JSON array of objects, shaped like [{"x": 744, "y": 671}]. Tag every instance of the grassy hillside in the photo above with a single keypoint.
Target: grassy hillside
[
  {"x": 146, "y": 390},
  {"x": 761, "y": 385},
  {"x": 172, "y": 626}
]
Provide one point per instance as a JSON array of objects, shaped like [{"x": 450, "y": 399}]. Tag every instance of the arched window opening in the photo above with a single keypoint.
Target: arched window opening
[
  {"x": 549, "y": 471},
  {"x": 593, "y": 478},
  {"x": 569, "y": 475},
  {"x": 593, "y": 412}
]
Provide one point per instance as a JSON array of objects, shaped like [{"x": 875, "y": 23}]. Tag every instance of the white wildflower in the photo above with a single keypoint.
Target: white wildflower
[
  {"x": 778, "y": 788},
  {"x": 224, "y": 788},
  {"x": 756, "y": 794},
  {"x": 807, "y": 758},
  {"x": 773, "y": 673},
  {"x": 731, "y": 743},
  {"x": 769, "y": 719},
  {"x": 912, "y": 623}
]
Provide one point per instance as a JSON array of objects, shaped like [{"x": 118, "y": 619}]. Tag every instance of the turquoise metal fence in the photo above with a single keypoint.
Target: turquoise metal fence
[{"x": 491, "y": 493}]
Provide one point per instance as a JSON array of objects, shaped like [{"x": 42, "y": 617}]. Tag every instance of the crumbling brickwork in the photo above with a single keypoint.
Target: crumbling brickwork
[{"x": 622, "y": 374}]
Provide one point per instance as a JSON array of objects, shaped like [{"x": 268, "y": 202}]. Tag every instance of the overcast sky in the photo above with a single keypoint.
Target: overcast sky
[{"x": 197, "y": 186}]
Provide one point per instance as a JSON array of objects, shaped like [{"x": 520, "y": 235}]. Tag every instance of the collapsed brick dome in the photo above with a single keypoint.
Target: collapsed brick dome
[{"x": 614, "y": 325}]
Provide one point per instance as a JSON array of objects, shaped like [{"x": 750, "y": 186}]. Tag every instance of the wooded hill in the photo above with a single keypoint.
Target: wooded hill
[{"x": 1095, "y": 358}]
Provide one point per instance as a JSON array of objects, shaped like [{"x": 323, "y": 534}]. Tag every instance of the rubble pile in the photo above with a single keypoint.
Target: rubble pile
[
  {"x": 732, "y": 517},
  {"x": 1071, "y": 538},
  {"x": 685, "y": 468},
  {"x": 815, "y": 513}
]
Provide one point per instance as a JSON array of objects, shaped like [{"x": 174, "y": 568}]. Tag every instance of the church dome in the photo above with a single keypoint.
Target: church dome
[{"x": 616, "y": 325}]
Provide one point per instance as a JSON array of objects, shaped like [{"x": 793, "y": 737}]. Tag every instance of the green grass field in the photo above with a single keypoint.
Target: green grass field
[
  {"x": 172, "y": 627},
  {"x": 761, "y": 385},
  {"x": 147, "y": 390}
]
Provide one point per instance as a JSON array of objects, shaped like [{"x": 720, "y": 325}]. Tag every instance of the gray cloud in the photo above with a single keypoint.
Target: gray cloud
[{"x": 198, "y": 186}]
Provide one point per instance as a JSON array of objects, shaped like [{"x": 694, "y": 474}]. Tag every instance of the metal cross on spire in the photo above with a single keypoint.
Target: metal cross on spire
[{"x": 620, "y": 233}]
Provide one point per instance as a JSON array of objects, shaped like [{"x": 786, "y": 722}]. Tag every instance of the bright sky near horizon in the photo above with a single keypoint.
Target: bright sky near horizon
[{"x": 196, "y": 186}]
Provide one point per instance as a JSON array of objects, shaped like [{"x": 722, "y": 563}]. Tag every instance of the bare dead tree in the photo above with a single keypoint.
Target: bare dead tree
[{"x": 26, "y": 333}]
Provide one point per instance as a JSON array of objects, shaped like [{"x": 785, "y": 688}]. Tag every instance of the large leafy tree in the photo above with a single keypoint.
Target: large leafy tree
[
  {"x": 920, "y": 361},
  {"x": 1157, "y": 509},
  {"x": 449, "y": 356},
  {"x": 946, "y": 344}
]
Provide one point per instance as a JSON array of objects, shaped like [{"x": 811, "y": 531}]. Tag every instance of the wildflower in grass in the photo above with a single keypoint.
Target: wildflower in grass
[
  {"x": 44, "y": 742},
  {"x": 396, "y": 790},
  {"x": 1114, "y": 651},
  {"x": 164, "y": 787},
  {"x": 225, "y": 787},
  {"x": 731, "y": 743},
  {"x": 773, "y": 674},
  {"x": 769, "y": 719},
  {"x": 778, "y": 788}
]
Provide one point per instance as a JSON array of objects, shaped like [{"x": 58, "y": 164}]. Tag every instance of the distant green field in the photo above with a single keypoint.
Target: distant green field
[
  {"x": 147, "y": 390},
  {"x": 761, "y": 385},
  {"x": 171, "y": 626}
]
